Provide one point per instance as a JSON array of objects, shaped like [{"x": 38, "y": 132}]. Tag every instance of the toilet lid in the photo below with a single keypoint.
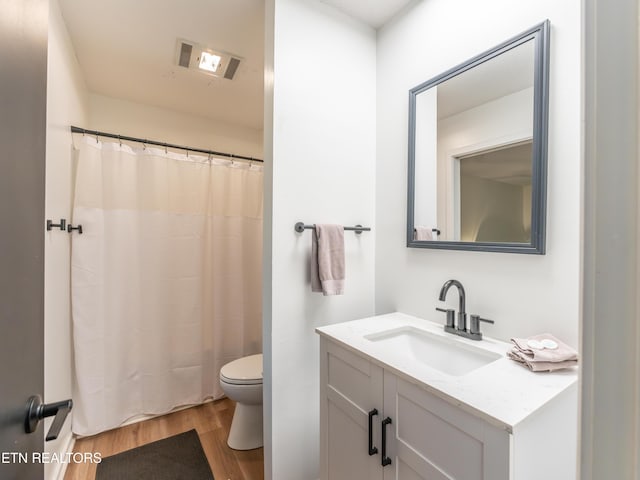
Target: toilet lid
[{"x": 245, "y": 370}]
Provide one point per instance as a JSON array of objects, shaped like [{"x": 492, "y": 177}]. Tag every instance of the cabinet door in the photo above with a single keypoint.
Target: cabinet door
[
  {"x": 350, "y": 387},
  {"x": 430, "y": 439}
]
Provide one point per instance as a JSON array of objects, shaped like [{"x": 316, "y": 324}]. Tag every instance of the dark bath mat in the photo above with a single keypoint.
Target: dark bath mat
[{"x": 175, "y": 458}]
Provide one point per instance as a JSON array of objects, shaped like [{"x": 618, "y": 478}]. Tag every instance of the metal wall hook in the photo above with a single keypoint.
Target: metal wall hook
[
  {"x": 71, "y": 228},
  {"x": 61, "y": 225}
]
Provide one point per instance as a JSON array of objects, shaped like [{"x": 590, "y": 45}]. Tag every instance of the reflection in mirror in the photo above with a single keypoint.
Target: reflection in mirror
[
  {"x": 477, "y": 152},
  {"x": 494, "y": 197}
]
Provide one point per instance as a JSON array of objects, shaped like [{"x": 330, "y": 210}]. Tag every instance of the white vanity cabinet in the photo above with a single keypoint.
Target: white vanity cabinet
[
  {"x": 430, "y": 439},
  {"x": 427, "y": 438},
  {"x": 430, "y": 435},
  {"x": 351, "y": 387}
]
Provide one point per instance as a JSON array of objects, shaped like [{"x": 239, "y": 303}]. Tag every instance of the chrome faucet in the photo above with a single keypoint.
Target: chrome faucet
[{"x": 461, "y": 329}]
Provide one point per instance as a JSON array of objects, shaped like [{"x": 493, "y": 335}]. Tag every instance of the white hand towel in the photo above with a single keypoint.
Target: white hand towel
[
  {"x": 422, "y": 233},
  {"x": 327, "y": 260}
]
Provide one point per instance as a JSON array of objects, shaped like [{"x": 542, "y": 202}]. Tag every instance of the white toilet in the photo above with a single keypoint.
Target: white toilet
[{"x": 241, "y": 381}]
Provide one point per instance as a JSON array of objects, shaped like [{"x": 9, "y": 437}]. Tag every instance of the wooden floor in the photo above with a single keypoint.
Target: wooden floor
[{"x": 212, "y": 422}]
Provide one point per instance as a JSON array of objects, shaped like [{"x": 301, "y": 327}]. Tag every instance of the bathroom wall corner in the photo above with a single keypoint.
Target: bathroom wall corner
[
  {"x": 267, "y": 249},
  {"x": 66, "y": 105},
  {"x": 322, "y": 130}
]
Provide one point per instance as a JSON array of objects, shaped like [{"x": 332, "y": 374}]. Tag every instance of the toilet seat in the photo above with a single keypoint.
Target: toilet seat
[{"x": 243, "y": 371}]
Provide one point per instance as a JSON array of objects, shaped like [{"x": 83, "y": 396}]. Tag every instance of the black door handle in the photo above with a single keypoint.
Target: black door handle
[
  {"x": 36, "y": 411},
  {"x": 372, "y": 450},
  {"x": 385, "y": 460}
]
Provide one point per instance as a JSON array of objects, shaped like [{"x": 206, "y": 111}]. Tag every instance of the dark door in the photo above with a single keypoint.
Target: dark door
[{"x": 23, "y": 85}]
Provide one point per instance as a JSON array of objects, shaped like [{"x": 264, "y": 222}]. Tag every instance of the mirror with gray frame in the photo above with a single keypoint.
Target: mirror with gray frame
[{"x": 478, "y": 151}]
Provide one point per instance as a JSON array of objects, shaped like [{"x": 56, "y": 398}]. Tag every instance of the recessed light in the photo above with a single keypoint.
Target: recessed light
[{"x": 209, "y": 62}]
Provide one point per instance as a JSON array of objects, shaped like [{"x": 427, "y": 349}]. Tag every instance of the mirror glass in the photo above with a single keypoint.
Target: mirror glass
[{"x": 477, "y": 151}]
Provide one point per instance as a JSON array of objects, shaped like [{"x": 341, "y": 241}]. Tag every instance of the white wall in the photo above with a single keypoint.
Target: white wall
[
  {"x": 66, "y": 104},
  {"x": 610, "y": 429},
  {"x": 322, "y": 171},
  {"x": 123, "y": 117},
  {"x": 524, "y": 294}
]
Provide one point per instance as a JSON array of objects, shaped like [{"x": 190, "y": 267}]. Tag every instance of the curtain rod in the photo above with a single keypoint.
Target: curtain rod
[{"x": 161, "y": 144}]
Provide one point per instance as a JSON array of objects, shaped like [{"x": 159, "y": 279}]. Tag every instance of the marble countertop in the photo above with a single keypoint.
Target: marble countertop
[{"x": 502, "y": 392}]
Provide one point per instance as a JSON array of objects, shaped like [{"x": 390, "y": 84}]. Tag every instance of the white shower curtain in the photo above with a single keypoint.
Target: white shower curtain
[{"x": 166, "y": 279}]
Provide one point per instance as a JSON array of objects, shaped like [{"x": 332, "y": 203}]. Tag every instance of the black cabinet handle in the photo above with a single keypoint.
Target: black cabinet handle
[
  {"x": 372, "y": 450},
  {"x": 385, "y": 460}
]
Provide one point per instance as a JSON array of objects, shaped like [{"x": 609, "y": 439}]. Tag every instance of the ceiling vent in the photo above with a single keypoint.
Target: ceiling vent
[{"x": 206, "y": 60}]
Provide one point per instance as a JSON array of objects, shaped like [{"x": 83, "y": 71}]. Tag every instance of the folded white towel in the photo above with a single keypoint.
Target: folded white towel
[
  {"x": 327, "y": 260},
  {"x": 422, "y": 233}
]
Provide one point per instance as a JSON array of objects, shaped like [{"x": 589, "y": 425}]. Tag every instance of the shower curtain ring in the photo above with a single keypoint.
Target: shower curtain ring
[{"x": 119, "y": 140}]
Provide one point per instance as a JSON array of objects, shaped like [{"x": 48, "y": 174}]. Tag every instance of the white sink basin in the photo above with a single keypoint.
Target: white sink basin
[{"x": 447, "y": 355}]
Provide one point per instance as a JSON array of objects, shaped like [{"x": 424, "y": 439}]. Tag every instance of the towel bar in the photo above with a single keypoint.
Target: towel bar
[{"x": 301, "y": 227}]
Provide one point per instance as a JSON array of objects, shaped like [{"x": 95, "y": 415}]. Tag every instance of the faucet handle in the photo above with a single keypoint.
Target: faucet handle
[
  {"x": 474, "y": 324},
  {"x": 450, "y": 316}
]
